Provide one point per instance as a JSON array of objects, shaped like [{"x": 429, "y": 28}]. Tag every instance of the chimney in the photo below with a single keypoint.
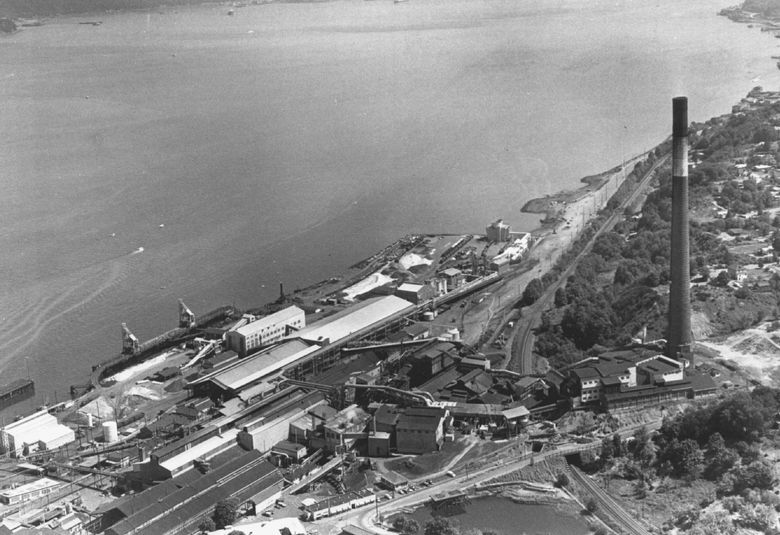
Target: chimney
[{"x": 679, "y": 342}]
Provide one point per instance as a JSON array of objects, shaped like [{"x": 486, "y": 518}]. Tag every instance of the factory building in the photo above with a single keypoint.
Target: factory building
[
  {"x": 345, "y": 427},
  {"x": 266, "y": 330},
  {"x": 454, "y": 278},
  {"x": 29, "y": 491},
  {"x": 39, "y": 431},
  {"x": 416, "y": 293},
  {"x": 614, "y": 379},
  {"x": 263, "y": 432},
  {"x": 177, "y": 506},
  {"x": 497, "y": 231},
  {"x": 420, "y": 430},
  {"x": 229, "y": 382},
  {"x": 353, "y": 320},
  {"x": 160, "y": 468}
]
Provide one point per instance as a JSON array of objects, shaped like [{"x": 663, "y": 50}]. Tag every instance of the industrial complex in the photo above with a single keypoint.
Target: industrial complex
[{"x": 285, "y": 411}]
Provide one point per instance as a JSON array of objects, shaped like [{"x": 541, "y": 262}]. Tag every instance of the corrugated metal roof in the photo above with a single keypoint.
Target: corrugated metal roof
[
  {"x": 253, "y": 368},
  {"x": 240, "y": 478},
  {"x": 353, "y": 319}
]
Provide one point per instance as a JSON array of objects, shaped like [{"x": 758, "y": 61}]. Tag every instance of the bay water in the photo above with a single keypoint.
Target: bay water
[{"x": 186, "y": 153}]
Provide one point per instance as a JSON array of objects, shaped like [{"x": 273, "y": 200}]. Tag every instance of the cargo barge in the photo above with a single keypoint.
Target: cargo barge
[{"x": 16, "y": 391}]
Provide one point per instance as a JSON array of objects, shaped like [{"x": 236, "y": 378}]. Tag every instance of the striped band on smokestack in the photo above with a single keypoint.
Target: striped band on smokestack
[{"x": 680, "y": 339}]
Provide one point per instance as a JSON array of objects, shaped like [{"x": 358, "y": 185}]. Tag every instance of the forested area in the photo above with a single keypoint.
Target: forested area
[
  {"x": 720, "y": 443},
  {"x": 620, "y": 286}
]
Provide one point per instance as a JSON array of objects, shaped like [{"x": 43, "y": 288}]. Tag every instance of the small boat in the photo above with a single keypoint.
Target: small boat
[
  {"x": 92, "y": 22},
  {"x": 231, "y": 12}
]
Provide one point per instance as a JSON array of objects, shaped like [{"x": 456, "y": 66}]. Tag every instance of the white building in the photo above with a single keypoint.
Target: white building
[
  {"x": 29, "y": 491},
  {"x": 353, "y": 320},
  {"x": 266, "y": 330},
  {"x": 39, "y": 431},
  {"x": 520, "y": 245}
]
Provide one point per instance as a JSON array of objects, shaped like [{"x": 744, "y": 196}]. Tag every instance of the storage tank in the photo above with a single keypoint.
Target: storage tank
[
  {"x": 110, "y": 433},
  {"x": 427, "y": 316},
  {"x": 453, "y": 333},
  {"x": 90, "y": 423}
]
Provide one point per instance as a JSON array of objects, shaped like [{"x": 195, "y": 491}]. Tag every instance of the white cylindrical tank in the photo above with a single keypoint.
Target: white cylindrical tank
[
  {"x": 110, "y": 433},
  {"x": 90, "y": 423},
  {"x": 427, "y": 316},
  {"x": 454, "y": 333}
]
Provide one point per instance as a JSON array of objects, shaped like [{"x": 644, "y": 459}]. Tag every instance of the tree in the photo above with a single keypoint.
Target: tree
[
  {"x": 721, "y": 280},
  {"x": 721, "y": 458},
  {"x": 225, "y": 513},
  {"x": 532, "y": 292},
  {"x": 562, "y": 480},
  {"x": 609, "y": 245},
  {"x": 206, "y": 525},
  {"x": 405, "y": 525},
  {"x": 591, "y": 505},
  {"x": 441, "y": 526},
  {"x": 560, "y": 297},
  {"x": 412, "y": 527}
]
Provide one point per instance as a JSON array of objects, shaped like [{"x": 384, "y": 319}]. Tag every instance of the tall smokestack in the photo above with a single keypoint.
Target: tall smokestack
[{"x": 679, "y": 343}]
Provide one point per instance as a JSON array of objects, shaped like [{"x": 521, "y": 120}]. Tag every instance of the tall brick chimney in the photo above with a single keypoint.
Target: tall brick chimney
[{"x": 680, "y": 339}]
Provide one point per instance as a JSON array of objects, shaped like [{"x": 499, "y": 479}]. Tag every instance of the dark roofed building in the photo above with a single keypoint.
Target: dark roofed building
[
  {"x": 429, "y": 360},
  {"x": 420, "y": 430},
  {"x": 471, "y": 386},
  {"x": 177, "y": 507}
]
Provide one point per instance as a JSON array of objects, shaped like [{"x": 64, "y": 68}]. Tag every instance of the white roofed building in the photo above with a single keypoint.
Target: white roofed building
[
  {"x": 39, "y": 431},
  {"x": 353, "y": 320},
  {"x": 246, "y": 372},
  {"x": 29, "y": 491},
  {"x": 266, "y": 330}
]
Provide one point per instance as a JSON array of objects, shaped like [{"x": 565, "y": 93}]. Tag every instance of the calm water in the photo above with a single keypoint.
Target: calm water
[
  {"x": 291, "y": 140},
  {"x": 503, "y": 516}
]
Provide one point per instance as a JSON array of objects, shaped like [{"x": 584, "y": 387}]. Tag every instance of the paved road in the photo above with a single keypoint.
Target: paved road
[
  {"x": 519, "y": 347},
  {"x": 464, "y": 479}
]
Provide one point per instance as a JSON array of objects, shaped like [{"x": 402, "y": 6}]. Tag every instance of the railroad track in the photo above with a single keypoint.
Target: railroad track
[
  {"x": 521, "y": 341},
  {"x": 627, "y": 522}
]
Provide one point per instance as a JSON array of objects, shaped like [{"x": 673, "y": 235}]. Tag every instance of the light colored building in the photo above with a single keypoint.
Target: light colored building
[
  {"x": 514, "y": 252},
  {"x": 454, "y": 278},
  {"x": 344, "y": 428},
  {"x": 244, "y": 373},
  {"x": 39, "y": 431},
  {"x": 264, "y": 432},
  {"x": 29, "y": 491},
  {"x": 497, "y": 231},
  {"x": 415, "y": 293},
  {"x": 353, "y": 320},
  {"x": 266, "y": 330}
]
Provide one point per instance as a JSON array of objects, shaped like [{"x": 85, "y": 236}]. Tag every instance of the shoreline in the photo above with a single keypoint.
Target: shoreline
[
  {"x": 554, "y": 206},
  {"x": 568, "y": 212}
]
